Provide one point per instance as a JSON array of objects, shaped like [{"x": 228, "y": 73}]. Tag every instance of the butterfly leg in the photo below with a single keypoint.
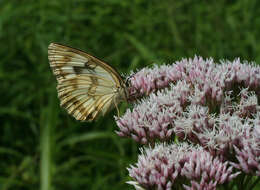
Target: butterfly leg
[
  {"x": 117, "y": 111},
  {"x": 116, "y": 107}
]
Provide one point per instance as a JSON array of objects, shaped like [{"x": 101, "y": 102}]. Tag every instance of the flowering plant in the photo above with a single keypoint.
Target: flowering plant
[{"x": 200, "y": 122}]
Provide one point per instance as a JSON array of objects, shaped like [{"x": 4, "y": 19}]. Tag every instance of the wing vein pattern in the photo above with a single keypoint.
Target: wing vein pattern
[{"x": 87, "y": 87}]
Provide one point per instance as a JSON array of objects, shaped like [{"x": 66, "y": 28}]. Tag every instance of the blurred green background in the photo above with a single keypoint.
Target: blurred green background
[{"x": 41, "y": 146}]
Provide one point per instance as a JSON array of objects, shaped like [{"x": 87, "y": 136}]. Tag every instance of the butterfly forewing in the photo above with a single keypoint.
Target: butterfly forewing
[{"x": 87, "y": 86}]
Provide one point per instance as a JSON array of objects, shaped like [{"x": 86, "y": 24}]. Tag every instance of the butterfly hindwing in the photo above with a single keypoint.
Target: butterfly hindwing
[{"x": 86, "y": 85}]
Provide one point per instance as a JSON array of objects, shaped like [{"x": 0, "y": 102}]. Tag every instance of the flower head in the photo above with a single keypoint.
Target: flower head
[
  {"x": 167, "y": 166},
  {"x": 212, "y": 107}
]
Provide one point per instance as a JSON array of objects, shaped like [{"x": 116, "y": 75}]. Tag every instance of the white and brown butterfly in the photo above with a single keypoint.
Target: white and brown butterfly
[{"x": 87, "y": 87}]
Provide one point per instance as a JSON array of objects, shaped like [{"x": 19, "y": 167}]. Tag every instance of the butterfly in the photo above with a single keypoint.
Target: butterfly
[{"x": 87, "y": 87}]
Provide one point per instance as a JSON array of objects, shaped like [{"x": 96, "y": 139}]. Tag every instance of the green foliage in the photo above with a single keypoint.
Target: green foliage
[{"x": 41, "y": 147}]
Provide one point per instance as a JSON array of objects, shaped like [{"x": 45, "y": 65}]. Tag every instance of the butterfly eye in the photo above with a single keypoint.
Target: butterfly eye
[{"x": 127, "y": 82}]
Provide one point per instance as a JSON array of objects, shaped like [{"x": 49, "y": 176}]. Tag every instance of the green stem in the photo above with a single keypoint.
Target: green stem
[
  {"x": 247, "y": 180},
  {"x": 48, "y": 117}
]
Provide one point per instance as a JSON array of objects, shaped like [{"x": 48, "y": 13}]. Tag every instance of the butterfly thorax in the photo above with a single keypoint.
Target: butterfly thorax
[{"x": 122, "y": 94}]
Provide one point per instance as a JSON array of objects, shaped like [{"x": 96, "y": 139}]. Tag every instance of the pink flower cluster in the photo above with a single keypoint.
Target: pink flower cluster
[
  {"x": 213, "y": 106},
  {"x": 248, "y": 150},
  {"x": 211, "y": 78},
  {"x": 172, "y": 166}
]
